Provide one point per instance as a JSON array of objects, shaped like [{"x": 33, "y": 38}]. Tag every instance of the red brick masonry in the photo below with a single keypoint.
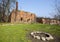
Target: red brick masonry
[{"x": 22, "y": 17}]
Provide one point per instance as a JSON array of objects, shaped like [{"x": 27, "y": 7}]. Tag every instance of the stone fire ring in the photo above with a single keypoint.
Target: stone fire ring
[{"x": 41, "y": 35}]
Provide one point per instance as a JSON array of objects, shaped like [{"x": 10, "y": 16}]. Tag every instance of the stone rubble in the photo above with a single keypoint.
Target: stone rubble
[
  {"x": 46, "y": 36},
  {"x": 43, "y": 38}
]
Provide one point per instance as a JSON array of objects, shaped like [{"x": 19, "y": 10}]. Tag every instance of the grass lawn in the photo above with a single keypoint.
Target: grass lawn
[{"x": 17, "y": 32}]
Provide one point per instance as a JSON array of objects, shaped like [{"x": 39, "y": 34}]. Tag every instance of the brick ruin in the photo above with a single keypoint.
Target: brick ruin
[
  {"x": 18, "y": 16},
  {"x": 22, "y": 17},
  {"x": 48, "y": 21}
]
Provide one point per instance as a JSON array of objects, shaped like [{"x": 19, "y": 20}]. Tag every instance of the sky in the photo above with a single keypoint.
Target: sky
[{"x": 42, "y": 8}]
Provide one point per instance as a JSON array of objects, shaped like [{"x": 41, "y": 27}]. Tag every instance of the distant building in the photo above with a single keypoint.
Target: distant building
[{"x": 47, "y": 20}]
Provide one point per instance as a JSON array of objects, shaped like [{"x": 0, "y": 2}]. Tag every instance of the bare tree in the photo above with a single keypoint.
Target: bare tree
[
  {"x": 57, "y": 9},
  {"x": 6, "y": 6}
]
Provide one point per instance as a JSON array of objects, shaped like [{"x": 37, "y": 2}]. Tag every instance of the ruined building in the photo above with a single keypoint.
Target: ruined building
[
  {"x": 18, "y": 16},
  {"x": 47, "y": 21}
]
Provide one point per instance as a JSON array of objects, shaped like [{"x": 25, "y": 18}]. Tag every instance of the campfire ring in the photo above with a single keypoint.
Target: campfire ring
[{"x": 41, "y": 35}]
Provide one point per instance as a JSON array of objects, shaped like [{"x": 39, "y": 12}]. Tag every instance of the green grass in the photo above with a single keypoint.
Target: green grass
[{"x": 17, "y": 32}]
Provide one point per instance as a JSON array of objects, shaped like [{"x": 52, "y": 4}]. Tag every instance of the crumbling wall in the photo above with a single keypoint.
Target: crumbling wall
[
  {"x": 22, "y": 17},
  {"x": 48, "y": 21}
]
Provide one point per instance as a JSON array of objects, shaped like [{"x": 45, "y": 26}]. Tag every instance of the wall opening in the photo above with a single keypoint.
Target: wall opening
[
  {"x": 21, "y": 19},
  {"x": 28, "y": 20}
]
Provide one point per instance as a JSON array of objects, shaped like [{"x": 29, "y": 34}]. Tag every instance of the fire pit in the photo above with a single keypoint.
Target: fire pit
[{"x": 41, "y": 35}]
